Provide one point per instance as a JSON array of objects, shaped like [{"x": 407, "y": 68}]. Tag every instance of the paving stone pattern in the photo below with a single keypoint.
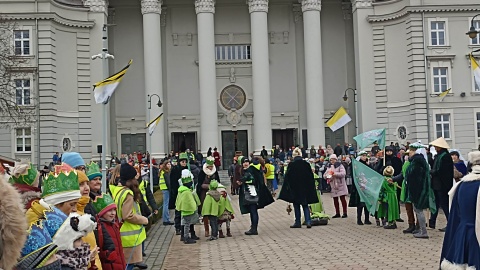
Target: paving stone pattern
[{"x": 342, "y": 244}]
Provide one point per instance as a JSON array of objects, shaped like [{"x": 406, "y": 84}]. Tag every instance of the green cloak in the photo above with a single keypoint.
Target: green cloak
[
  {"x": 418, "y": 189},
  {"x": 317, "y": 207},
  {"x": 211, "y": 204},
  {"x": 187, "y": 201},
  {"x": 225, "y": 205},
  {"x": 403, "y": 195},
  {"x": 388, "y": 194}
]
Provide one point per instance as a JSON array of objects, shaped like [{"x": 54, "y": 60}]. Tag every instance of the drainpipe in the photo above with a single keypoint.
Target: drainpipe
[
  {"x": 427, "y": 95},
  {"x": 37, "y": 88}
]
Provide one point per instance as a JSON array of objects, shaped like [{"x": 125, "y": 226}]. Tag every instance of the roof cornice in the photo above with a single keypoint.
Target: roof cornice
[
  {"x": 49, "y": 16},
  {"x": 416, "y": 9}
]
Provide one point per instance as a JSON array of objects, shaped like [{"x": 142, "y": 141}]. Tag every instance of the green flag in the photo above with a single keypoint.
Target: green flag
[
  {"x": 367, "y": 138},
  {"x": 368, "y": 183}
]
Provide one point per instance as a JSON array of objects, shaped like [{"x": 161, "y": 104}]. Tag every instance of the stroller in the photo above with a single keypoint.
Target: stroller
[{"x": 317, "y": 213}]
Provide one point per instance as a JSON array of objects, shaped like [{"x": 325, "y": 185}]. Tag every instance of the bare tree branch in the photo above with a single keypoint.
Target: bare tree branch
[{"x": 13, "y": 67}]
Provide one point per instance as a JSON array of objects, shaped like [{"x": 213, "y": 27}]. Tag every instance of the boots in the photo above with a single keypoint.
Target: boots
[
  {"x": 411, "y": 228},
  {"x": 252, "y": 231},
  {"x": 193, "y": 235},
  {"x": 189, "y": 241},
  {"x": 229, "y": 234},
  {"x": 207, "y": 228},
  {"x": 220, "y": 234},
  {"x": 421, "y": 234}
]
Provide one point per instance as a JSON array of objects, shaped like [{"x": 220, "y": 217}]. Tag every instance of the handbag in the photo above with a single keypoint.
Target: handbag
[
  {"x": 248, "y": 197},
  {"x": 146, "y": 212}
]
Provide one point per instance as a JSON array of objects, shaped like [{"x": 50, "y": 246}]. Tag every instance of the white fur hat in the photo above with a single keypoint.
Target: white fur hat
[
  {"x": 74, "y": 227},
  {"x": 474, "y": 158},
  {"x": 297, "y": 152}
]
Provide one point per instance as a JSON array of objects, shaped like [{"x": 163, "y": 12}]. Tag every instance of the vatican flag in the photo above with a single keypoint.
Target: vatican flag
[
  {"x": 339, "y": 119},
  {"x": 153, "y": 124},
  {"x": 476, "y": 70},
  {"x": 444, "y": 94},
  {"x": 103, "y": 90}
]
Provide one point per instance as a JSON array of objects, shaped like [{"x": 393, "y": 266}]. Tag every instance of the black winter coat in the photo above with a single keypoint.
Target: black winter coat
[
  {"x": 442, "y": 177},
  {"x": 264, "y": 196},
  {"x": 174, "y": 176},
  {"x": 299, "y": 184},
  {"x": 393, "y": 161}
]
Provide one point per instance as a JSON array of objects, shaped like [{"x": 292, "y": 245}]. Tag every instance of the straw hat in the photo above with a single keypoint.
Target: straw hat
[{"x": 440, "y": 142}]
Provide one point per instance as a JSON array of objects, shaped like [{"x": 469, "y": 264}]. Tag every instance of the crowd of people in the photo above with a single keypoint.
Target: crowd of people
[{"x": 70, "y": 224}]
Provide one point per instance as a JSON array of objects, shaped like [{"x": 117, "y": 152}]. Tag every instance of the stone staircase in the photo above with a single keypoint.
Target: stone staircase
[{"x": 224, "y": 179}]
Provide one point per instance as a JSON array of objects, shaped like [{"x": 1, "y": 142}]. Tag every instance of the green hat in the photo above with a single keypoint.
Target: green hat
[
  {"x": 213, "y": 185},
  {"x": 182, "y": 156},
  {"x": 210, "y": 161},
  {"x": 93, "y": 170},
  {"x": 24, "y": 173},
  {"x": 61, "y": 187},
  {"x": 416, "y": 145},
  {"x": 187, "y": 176},
  {"x": 103, "y": 204}
]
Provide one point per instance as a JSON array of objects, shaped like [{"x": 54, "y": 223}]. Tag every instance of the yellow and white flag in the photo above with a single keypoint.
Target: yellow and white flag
[
  {"x": 339, "y": 119},
  {"x": 153, "y": 124},
  {"x": 444, "y": 94},
  {"x": 476, "y": 70},
  {"x": 103, "y": 90}
]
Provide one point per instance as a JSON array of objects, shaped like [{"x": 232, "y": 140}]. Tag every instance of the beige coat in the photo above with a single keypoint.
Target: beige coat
[{"x": 128, "y": 215}]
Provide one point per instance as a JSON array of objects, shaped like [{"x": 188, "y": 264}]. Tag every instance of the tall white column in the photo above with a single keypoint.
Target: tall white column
[
  {"x": 313, "y": 71},
  {"x": 205, "y": 10},
  {"x": 152, "y": 58},
  {"x": 262, "y": 119}
]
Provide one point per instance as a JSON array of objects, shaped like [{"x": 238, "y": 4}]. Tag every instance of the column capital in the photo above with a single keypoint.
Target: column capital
[
  {"x": 257, "y": 5},
  {"x": 308, "y": 5},
  {"x": 96, "y": 5},
  {"x": 361, "y": 4},
  {"x": 205, "y": 6},
  {"x": 151, "y": 6}
]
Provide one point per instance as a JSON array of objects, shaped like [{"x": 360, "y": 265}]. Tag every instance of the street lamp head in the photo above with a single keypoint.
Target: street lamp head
[
  {"x": 345, "y": 97},
  {"x": 159, "y": 104},
  {"x": 473, "y": 32}
]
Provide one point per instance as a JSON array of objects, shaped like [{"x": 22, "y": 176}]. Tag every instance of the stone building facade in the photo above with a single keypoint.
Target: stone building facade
[{"x": 239, "y": 75}]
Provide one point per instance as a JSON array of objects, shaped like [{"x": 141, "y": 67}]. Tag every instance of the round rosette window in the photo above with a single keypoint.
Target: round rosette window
[{"x": 233, "y": 97}]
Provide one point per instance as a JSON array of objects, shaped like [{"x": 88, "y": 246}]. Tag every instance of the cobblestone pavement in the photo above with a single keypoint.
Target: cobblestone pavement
[
  {"x": 342, "y": 244},
  {"x": 158, "y": 241}
]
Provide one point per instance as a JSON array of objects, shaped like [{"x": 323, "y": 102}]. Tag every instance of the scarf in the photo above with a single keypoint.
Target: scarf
[
  {"x": 77, "y": 259},
  {"x": 437, "y": 164}
]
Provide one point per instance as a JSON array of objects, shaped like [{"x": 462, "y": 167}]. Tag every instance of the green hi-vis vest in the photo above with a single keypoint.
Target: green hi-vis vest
[
  {"x": 162, "y": 183},
  {"x": 131, "y": 235},
  {"x": 270, "y": 175}
]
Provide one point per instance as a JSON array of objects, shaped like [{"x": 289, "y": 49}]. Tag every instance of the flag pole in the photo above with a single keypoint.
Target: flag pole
[
  {"x": 105, "y": 57},
  {"x": 149, "y": 145}
]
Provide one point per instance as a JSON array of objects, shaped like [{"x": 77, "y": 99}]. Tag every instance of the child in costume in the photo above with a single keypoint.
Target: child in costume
[
  {"x": 211, "y": 208},
  {"x": 225, "y": 211},
  {"x": 108, "y": 233},
  {"x": 187, "y": 203},
  {"x": 388, "y": 208}
]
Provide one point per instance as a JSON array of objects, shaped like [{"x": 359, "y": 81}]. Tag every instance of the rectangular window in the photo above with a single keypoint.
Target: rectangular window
[
  {"x": 478, "y": 124},
  {"x": 442, "y": 125},
  {"x": 22, "y": 91},
  {"x": 23, "y": 138},
  {"x": 21, "y": 39},
  {"x": 437, "y": 33},
  {"x": 232, "y": 52},
  {"x": 476, "y": 41},
  {"x": 440, "y": 79}
]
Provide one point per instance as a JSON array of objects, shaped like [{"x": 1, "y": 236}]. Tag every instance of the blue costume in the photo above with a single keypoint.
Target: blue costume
[{"x": 461, "y": 249}]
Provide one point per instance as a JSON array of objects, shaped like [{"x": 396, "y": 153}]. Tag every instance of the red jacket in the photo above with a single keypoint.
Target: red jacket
[
  {"x": 111, "y": 250},
  {"x": 216, "y": 155}
]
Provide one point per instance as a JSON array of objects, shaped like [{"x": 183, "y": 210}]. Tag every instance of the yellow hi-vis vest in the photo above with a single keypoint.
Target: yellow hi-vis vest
[
  {"x": 143, "y": 190},
  {"x": 270, "y": 175},
  {"x": 162, "y": 183},
  {"x": 131, "y": 235}
]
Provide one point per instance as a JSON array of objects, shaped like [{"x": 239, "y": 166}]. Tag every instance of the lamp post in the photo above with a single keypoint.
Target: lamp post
[
  {"x": 473, "y": 32},
  {"x": 345, "y": 98},
  {"x": 104, "y": 56},
  {"x": 149, "y": 144}
]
